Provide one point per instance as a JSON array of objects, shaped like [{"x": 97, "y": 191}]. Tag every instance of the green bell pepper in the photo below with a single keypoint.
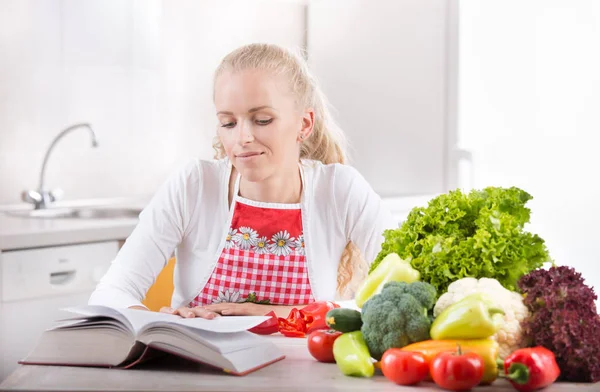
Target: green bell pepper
[
  {"x": 352, "y": 355},
  {"x": 391, "y": 269},
  {"x": 473, "y": 317}
]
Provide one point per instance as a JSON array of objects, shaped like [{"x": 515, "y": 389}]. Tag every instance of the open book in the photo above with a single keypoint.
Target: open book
[{"x": 108, "y": 337}]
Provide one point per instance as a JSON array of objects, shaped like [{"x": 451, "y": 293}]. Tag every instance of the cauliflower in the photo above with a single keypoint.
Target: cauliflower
[{"x": 509, "y": 337}]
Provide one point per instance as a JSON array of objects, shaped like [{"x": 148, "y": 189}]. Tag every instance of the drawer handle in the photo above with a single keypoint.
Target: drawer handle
[{"x": 61, "y": 278}]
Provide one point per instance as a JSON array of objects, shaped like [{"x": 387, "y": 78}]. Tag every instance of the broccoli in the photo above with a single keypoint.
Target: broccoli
[{"x": 398, "y": 316}]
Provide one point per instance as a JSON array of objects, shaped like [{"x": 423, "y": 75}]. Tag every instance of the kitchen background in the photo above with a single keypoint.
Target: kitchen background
[{"x": 432, "y": 94}]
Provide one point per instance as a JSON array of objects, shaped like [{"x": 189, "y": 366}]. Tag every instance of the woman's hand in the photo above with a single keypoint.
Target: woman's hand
[
  {"x": 196, "y": 311},
  {"x": 230, "y": 309},
  {"x": 250, "y": 309},
  {"x": 239, "y": 309}
]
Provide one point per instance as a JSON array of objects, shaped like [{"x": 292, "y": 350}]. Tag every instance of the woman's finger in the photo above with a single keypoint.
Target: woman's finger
[
  {"x": 232, "y": 309},
  {"x": 190, "y": 312},
  {"x": 204, "y": 313},
  {"x": 167, "y": 309},
  {"x": 185, "y": 312},
  {"x": 217, "y": 308}
]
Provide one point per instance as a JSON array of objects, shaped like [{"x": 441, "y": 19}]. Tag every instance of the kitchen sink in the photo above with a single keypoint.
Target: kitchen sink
[{"x": 79, "y": 213}]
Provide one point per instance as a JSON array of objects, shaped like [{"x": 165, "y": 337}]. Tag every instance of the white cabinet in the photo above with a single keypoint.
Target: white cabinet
[
  {"x": 387, "y": 67},
  {"x": 36, "y": 283},
  {"x": 39, "y": 273}
]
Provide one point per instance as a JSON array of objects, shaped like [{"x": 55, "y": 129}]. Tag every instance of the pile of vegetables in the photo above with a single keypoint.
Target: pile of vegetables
[
  {"x": 460, "y": 285},
  {"x": 456, "y": 350}
]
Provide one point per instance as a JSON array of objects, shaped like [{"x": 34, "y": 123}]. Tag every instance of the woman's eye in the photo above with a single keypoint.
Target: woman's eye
[
  {"x": 228, "y": 125},
  {"x": 264, "y": 122}
]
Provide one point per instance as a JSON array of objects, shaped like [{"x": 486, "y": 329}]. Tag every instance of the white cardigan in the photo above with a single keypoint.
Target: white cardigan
[{"x": 190, "y": 215}]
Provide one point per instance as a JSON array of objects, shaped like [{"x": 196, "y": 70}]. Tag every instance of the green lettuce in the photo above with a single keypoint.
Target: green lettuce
[{"x": 480, "y": 234}]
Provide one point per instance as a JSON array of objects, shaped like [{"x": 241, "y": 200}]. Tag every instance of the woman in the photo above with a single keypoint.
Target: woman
[{"x": 274, "y": 222}]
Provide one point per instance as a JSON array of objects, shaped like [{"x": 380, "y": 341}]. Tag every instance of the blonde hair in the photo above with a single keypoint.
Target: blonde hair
[{"x": 327, "y": 142}]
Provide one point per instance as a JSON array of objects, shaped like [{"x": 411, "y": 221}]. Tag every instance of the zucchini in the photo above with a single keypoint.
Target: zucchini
[{"x": 344, "y": 320}]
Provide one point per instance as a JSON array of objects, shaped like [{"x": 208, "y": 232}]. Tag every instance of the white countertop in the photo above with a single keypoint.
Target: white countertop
[
  {"x": 23, "y": 232},
  {"x": 297, "y": 372}
]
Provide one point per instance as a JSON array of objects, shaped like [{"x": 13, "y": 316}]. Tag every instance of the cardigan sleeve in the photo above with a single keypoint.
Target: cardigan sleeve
[
  {"x": 146, "y": 251},
  {"x": 360, "y": 211}
]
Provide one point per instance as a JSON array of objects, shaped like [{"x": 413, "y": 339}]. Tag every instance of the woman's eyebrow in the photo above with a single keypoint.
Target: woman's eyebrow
[
  {"x": 249, "y": 111},
  {"x": 261, "y": 108}
]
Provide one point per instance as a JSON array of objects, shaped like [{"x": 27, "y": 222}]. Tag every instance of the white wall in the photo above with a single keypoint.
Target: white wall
[
  {"x": 529, "y": 111},
  {"x": 138, "y": 70},
  {"x": 384, "y": 67},
  {"x": 200, "y": 33}
]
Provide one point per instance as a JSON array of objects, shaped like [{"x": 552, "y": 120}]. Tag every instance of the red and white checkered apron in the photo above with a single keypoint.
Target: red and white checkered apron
[{"x": 263, "y": 259}]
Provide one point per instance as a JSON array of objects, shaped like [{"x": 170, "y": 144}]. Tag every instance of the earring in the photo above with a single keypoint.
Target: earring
[{"x": 301, "y": 137}]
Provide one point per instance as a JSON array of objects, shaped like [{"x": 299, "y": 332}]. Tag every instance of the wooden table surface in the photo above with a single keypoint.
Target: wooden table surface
[{"x": 298, "y": 372}]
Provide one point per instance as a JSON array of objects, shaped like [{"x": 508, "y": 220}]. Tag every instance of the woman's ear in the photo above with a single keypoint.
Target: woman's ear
[{"x": 308, "y": 123}]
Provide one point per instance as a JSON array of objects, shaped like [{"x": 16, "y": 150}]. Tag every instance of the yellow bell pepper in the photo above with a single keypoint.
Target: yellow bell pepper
[
  {"x": 473, "y": 317},
  {"x": 391, "y": 269}
]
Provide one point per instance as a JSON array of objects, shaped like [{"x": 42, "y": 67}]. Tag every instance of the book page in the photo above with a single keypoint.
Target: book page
[
  {"x": 140, "y": 318},
  {"x": 133, "y": 319},
  {"x": 136, "y": 320},
  {"x": 179, "y": 335},
  {"x": 89, "y": 311},
  {"x": 59, "y": 324},
  {"x": 224, "y": 324}
]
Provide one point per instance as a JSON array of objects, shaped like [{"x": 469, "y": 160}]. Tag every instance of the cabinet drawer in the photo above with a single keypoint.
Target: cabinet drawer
[{"x": 61, "y": 270}]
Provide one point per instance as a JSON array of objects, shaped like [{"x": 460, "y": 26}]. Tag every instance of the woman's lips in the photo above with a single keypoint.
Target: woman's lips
[{"x": 249, "y": 155}]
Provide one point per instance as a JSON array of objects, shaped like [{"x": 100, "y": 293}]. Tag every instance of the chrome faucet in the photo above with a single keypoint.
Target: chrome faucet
[{"x": 41, "y": 198}]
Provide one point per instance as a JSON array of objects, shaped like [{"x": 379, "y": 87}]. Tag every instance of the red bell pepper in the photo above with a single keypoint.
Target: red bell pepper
[
  {"x": 315, "y": 315},
  {"x": 306, "y": 320},
  {"x": 267, "y": 327},
  {"x": 291, "y": 333},
  {"x": 294, "y": 325},
  {"x": 529, "y": 369}
]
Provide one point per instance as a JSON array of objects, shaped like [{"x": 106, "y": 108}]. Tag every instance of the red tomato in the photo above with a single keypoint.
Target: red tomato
[
  {"x": 404, "y": 367},
  {"x": 320, "y": 344},
  {"x": 456, "y": 371}
]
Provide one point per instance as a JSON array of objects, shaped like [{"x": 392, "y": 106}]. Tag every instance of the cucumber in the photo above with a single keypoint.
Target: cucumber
[{"x": 344, "y": 320}]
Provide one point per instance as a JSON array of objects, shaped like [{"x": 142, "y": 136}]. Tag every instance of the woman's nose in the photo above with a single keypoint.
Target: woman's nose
[{"x": 245, "y": 134}]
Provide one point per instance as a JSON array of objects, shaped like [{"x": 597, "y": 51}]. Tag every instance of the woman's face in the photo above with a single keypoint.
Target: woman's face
[{"x": 259, "y": 123}]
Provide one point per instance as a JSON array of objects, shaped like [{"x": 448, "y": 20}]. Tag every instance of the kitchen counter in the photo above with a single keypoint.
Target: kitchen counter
[
  {"x": 35, "y": 250},
  {"x": 297, "y": 372},
  {"x": 24, "y": 232}
]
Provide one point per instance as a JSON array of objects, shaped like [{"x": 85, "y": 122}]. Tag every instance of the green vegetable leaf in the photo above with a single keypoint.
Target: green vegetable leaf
[
  {"x": 480, "y": 234},
  {"x": 252, "y": 298}
]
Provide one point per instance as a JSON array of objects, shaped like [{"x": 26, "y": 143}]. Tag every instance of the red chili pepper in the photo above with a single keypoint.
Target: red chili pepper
[
  {"x": 267, "y": 327},
  {"x": 529, "y": 369},
  {"x": 315, "y": 315}
]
